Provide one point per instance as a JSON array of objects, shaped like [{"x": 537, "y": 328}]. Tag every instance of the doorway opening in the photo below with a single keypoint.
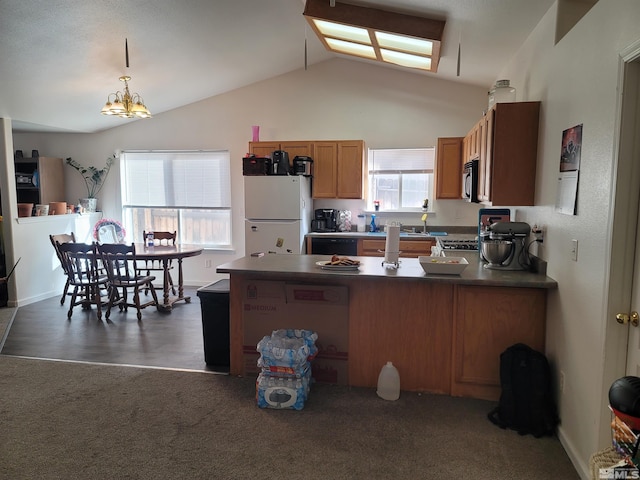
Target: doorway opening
[{"x": 624, "y": 266}]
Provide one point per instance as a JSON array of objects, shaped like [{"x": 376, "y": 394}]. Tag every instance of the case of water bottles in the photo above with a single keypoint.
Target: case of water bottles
[{"x": 285, "y": 368}]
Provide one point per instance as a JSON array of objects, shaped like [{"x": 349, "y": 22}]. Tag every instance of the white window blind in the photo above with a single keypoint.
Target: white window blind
[
  {"x": 176, "y": 179},
  {"x": 184, "y": 191},
  {"x": 414, "y": 160},
  {"x": 400, "y": 178}
]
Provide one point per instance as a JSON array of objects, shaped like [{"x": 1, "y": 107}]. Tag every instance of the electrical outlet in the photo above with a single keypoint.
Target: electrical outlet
[
  {"x": 207, "y": 263},
  {"x": 561, "y": 381},
  {"x": 538, "y": 233},
  {"x": 574, "y": 250}
]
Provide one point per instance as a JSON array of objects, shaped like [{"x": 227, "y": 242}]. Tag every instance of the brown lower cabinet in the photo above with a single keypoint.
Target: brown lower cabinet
[
  {"x": 487, "y": 320},
  {"x": 375, "y": 247},
  {"x": 408, "y": 323},
  {"x": 408, "y": 248},
  {"x": 443, "y": 337}
]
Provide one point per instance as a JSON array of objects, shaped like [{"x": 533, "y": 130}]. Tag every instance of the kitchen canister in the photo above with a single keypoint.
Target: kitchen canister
[
  {"x": 389, "y": 382},
  {"x": 502, "y": 92}
]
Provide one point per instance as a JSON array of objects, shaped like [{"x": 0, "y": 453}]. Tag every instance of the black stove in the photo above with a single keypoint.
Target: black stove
[{"x": 458, "y": 244}]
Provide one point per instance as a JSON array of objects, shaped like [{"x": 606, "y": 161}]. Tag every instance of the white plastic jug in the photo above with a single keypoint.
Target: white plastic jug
[{"x": 389, "y": 382}]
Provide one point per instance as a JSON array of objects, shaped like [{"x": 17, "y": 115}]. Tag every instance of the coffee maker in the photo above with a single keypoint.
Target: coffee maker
[
  {"x": 325, "y": 220},
  {"x": 280, "y": 163},
  {"x": 503, "y": 246}
]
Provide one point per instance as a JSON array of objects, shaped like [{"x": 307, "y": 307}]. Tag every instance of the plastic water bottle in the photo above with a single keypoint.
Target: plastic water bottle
[
  {"x": 389, "y": 382},
  {"x": 149, "y": 239}
]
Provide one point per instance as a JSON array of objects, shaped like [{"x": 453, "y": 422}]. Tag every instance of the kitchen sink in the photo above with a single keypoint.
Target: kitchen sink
[{"x": 409, "y": 234}]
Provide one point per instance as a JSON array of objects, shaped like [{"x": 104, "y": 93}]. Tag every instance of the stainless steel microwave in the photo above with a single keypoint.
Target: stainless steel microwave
[{"x": 470, "y": 181}]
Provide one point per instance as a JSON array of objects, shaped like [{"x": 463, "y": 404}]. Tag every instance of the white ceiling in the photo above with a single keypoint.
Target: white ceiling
[{"x": 60, "y": 58}]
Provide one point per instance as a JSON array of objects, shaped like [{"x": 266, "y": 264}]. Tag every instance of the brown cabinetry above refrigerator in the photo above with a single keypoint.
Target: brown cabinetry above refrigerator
[{"x": 338, "y": 167}]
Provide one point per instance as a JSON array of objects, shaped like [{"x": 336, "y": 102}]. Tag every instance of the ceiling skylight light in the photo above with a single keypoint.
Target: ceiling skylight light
[
  {"x": 374, "y": 34},
  {"x": 405, "y": 59},
  {"x": 408, "y": 44},
  {"x": 345, "y": 32},
  {"x": 350, "y": 48}
]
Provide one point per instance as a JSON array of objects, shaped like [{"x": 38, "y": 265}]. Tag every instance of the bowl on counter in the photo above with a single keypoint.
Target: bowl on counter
[
  {"x": 443, "y": 265},
  {"x": 496, "y": 251}
]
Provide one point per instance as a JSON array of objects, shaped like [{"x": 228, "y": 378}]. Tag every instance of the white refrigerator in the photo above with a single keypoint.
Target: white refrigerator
[{"x": 278, "y": 211}]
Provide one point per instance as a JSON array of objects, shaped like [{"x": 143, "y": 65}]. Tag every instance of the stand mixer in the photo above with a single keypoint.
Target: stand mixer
[{"x": 503, "y": 246}]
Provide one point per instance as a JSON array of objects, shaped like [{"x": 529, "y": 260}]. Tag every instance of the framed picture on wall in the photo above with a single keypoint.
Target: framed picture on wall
[{"x": 567, "y": 189}]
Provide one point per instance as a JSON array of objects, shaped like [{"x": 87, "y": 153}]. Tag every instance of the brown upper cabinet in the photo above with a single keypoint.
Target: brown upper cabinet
[
  {"x": 338, "y": 169},
  {"x": 448, "y": 171},
  {"x": 294, "y": 149},
  {"x": 338, "y": 166},
  {"x": 505, "y": 141}
]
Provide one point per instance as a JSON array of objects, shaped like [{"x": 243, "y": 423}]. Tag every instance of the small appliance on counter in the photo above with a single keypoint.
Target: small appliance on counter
[
  {"x": 504, "y": 246},
  {"x": 302, "y": 165},
  {"x": 256, "y": 166},
  {"x": 344, "y": 221},
  {"x": 487, "y": 217},
  {"x": 325, "y": 220},
  {"x": 280, "y": 163}
]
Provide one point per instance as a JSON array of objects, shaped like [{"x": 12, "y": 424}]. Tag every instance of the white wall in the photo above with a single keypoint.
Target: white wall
[
  {"x": 576, "y": 80},
  {"x": 338, "y": 99}
]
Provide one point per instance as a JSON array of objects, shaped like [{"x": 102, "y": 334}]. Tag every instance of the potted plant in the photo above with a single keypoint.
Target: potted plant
[{"x": 93, "y": 179}]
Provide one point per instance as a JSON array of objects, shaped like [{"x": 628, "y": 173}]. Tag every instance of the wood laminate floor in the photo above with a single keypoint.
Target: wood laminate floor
[{"x": 172, "y": 340}]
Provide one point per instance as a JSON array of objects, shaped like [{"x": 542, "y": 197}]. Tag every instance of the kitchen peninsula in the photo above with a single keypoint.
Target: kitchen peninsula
[{"x": 444, "y": 333}]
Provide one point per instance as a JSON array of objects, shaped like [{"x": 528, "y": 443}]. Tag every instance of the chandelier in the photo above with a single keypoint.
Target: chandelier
[{"x": 124, "y": 104}]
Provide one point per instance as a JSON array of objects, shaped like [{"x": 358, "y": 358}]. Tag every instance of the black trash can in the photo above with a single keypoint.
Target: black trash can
[{"x": 214, "y": 302}]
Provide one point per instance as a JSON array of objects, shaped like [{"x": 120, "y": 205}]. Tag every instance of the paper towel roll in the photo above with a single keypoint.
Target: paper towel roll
[{"x": 392, "y": 246}]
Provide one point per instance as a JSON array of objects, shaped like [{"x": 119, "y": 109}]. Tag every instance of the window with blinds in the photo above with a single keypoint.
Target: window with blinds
[
  {"x": 185, "y": 191},
  {"x": 400, "y": 179}
]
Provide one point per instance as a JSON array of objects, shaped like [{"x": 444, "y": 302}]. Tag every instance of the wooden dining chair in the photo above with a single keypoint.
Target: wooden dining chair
[
  {"x": 119, "y": 261},
  {"x": 62, "y": 238},
  {"x": 84, "y": 274},
  {"x": 162, "y": 238}
]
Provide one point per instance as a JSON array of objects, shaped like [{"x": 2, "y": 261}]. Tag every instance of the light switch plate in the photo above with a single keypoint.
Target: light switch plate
[{"x": 574, "y": 250}]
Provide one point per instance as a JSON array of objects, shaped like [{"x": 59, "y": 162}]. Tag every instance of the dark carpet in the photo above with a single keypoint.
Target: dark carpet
[{"x": 62, "y": 419}]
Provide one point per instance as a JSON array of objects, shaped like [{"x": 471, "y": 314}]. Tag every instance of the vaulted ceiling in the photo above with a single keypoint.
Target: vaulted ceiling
[{"x": 59, "y": 59}]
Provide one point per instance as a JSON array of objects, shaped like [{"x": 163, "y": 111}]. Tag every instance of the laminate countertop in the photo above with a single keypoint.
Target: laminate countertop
[
  {"x": 382, "y": 235},
  {"x": 305, "y": 267}
]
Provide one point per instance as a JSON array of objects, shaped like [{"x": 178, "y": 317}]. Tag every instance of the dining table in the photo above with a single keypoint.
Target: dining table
[{"x": 165, "y": 254}]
